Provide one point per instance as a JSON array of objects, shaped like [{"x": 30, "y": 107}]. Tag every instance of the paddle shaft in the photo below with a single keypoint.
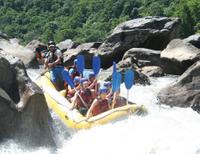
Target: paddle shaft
[
  {"x": 81, "y": 98},
  {"x": 127, "y": 97}
]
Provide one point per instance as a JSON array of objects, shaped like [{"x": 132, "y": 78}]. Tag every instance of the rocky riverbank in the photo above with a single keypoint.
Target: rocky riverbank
[{"x": 151, "y": 46}]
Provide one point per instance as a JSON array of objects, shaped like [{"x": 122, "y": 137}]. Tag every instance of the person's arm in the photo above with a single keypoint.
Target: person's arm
[
  {"x": 59, "y": 55},
  {"x": 74, "y": 101},
  {"x": 114, "y": 100},
  {"x": 58, "y": 61},
  {"x": 94, "y": 83},
  {"x": 45, "y": 63},
  {"x": 89, "y": 112}
]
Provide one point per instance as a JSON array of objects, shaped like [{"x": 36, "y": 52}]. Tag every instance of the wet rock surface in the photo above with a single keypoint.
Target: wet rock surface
[
  {"x": 185, "y": 92},
  {"x": 24, "y": 114}
]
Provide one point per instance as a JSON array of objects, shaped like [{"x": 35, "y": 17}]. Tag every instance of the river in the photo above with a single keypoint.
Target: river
[{"x": 164, "y": 130}]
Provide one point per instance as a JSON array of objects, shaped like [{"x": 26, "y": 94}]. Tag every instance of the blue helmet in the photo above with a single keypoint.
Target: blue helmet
[
  {"x": 103, "y": 90},
  {"x": 83, "y": 80},
  {"x": 76, "y": 80},
  {"x": 75, "y": 61},
  {"x": 71, "y": 71},
  {"x": 107, "y": 84},
  {"x": 91, "y": 74}
]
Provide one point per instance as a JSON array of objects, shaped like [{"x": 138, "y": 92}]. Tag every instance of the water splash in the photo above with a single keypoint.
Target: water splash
[{"x": 164, "y": 130}]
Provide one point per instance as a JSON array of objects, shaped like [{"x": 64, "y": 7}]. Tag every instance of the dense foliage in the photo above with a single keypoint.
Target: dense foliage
[{"x": 87, "y": 20}]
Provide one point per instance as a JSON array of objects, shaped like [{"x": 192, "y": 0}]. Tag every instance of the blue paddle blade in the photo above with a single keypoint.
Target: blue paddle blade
[
  {"x": 96, "y": 64},
  {"x": 116, "y": 81},
  {"x": 129, "y": 79},
  {"x": 114, "y": 67},
  {"x": 67, "y": 78},
  {"x": 80, "y": 63}
]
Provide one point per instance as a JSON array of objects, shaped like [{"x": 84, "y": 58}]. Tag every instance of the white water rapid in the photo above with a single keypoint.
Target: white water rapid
[{"x": 163, "y": 130}]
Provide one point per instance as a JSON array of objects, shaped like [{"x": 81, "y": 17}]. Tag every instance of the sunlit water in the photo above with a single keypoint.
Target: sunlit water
[{"x": 164, "y": 130}]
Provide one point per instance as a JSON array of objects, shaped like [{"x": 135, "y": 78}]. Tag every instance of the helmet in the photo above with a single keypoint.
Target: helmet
[
  {"x": 83, "y": 80},
  {"x": 51, "y": 43},
  {"x": 107, "y": 84},
  {"x": 91, "y": 74},
  {"x": 103, "y": 90},
  {"x": 71, "y": 71},
  {"x": 77, "y": 80},
  {"x": 75, "y": 61}
]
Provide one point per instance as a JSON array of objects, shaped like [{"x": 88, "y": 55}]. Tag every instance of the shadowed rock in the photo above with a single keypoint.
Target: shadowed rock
[
  {"x": 36, "y": 44},
  {"x": 24, "y": 115},
  {"x": 194, "y": 40},
  {"x": 86, "y": 49},
  {"x": 122, "y": 67},
  {"x": 154, "y": 71},
  {"x": 148, "y": 32},
  {"x": 3, "y": 36},
  {"x": 143, "y": 57},
  {"x": 185, "y": 92}
]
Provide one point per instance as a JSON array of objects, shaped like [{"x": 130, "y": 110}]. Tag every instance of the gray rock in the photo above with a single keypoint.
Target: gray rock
[
  {"x": 24, "y": 114},
  {"x": 185, "y": 92},
  {"x": 153, "y": 71},
  {"x": 3, "y": 36},
  {"x": 148, "y": 32},
  {"x": 14, "y": 41},
  {"x": 194, "y": 40},
  {"x": 36, "y": 44},
  {"x": 143, "y": 57},
  {"x": 89, "y": 46},
  {"x": 85, "y": 50},
  {"x": 178, "y": 56},
  {"x": 16, "y": 50},
  {"x": 122, "y": 67},
  {"x": 65, "y": 45}
]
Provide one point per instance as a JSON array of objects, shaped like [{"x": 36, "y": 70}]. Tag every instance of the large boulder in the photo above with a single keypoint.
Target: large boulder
[
  {"x": 185, "y": 92},
  {"x": 146, "y": 61},
  {"x": 14, "y": 41},
  {"x": 194, "y": 40},
  {"x": 178, "y": 56},
  {"x": 36, "y": 44},
  {"x": 143, "y": 57},
  {"x": 66, "y": 44},
  {"x": 3, "y": 35},
  {"x": 16, "y": 50},
  {"x": 148, "y": 32},
  {"x": 24, "y": 114},
  {"x": 86, "y": 49},
  {"x": 89, "y": 45},
  {"x": 153, "y": 71}
]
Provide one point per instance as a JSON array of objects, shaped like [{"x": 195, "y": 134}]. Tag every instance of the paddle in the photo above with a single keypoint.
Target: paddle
[
  {"x": 116, "y": 85},
  {"x": 114, "y": 67},
  {"x": 68, "y": 79},
  {"x": 129, "y": 81},
  {"x": 114, "y": 78},
  {"x": 80, "y": 64},
  {"x": 96, "y": 64}
]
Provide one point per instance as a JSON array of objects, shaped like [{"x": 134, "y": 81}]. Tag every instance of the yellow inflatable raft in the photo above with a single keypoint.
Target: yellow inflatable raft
[{"x": 72, "y": 118}]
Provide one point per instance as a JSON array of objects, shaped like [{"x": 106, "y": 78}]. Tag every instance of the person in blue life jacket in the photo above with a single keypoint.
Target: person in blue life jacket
[{"x": 54, "y": 63}]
